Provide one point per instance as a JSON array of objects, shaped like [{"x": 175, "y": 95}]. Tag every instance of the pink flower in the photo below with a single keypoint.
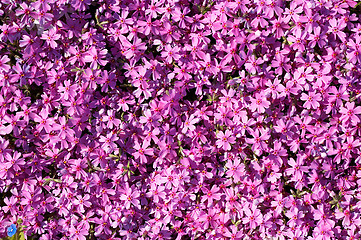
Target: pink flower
[
  {"x": 170, "y": 53},
  {"x": 349, "y": 113},
  {"x": 312, "y": 100},
  {"x": 225, "y": 140},
  {"x": 258, "y": 140},
  {"x": 141, "y": 151},
  {"x": 253, "y": 65},
  {"x": 336, "y": 27},
  {"x": 109, "y": 142},
  {"x": 296, "y": 169},
  {"x": 211, "y": 195},
  {"x": 50, "y": 37},
  {"x": 3, "y": 60},
  {"x": 130, "y": 196},
  {"x": 43, "y": 120},
  {"x": 253, "y": 216},
  {"x": 259, "y": 103},
  {"x": 323, "y": 217},
  {"x": 235, "y": 169},
  {"x": 180, "y": 17},
  {"x": 188, "y": 124},
  {"x": 95, "y": 56},
  {"x": 133, "y": 49},
  {"x": 323, "y": 232}
]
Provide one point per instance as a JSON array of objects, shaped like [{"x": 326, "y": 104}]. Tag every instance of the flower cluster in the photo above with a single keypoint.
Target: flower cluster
[{"x": 176, "y": 119}]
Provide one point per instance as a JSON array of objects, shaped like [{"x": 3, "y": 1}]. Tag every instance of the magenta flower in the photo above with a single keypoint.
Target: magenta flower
[
  {"x": 259, "y": 103},
  {"x": 44, "y": 122},
  {"x": 350, "y": 112},
  {"x": 50, "y": 37},
  {"x": 141, "y": 151},
  {"x": 95, "y": 57},
  {"x": 258, "y": 140},
  {"x": 109, "y": 141},
  {"x": 79, "y": 232},
  {"x": 311, "y": 100},
  {"x": 225, "y": 140},
  {"x": 235, "y": 169},
  {"x": 180, "y": 119},
  {"x": 210, "y": 195},
  {"x": 188, "y": 124},
  {"x": 323, "y": 216},
  {"x": 3, "y": 60},
  {"x": 296, "y": 170},
  {"x": 323, "y": 232},
  {"x": 129, "y": 195},
  {"x": 133, "y": 49},
  {"x": 170, "y": 53},
  {"x": 253, "y": 65},
  {"x": 253, "y": 216}
]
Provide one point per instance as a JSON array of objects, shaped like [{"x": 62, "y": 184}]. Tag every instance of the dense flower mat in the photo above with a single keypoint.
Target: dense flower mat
[{"x": 180, "y": 119}]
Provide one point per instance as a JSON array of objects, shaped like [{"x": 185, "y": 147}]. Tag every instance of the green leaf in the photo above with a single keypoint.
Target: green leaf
[
  {"x": 238, "y": 222},
  {"x": 21, "y": 236}
]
